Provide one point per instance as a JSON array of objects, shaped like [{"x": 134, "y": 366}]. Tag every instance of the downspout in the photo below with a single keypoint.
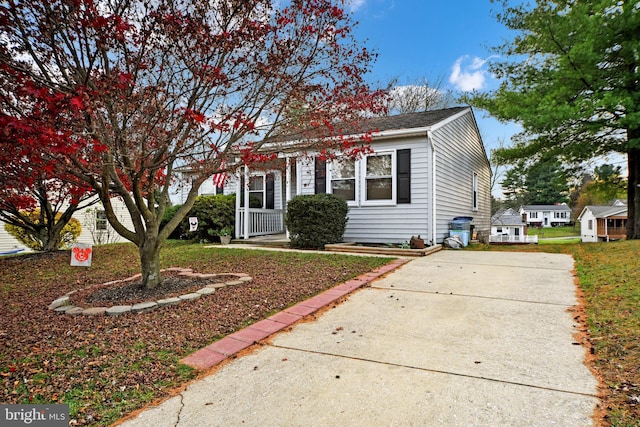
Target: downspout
[{"x": 433, "y": 188}]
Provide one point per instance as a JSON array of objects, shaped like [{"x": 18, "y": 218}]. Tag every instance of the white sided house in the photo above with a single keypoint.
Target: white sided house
[
  {"x": 546, "y": 215},
  {"x": 603, "y": 223},
  {"x": 95, "y": 228},
  {"x": 425, "y": 169},
  {"x": 507, "y": 226}
]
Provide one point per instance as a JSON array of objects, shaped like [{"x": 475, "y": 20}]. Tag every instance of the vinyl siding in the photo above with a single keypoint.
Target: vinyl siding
[
  {"x": 390, "y": 223},
  {"x": 586, "y": 234},
  {"x": 459, "y": 154}
]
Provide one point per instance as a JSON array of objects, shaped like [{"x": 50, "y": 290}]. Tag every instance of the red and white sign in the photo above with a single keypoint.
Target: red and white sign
[{"x": 81, "y": 255}]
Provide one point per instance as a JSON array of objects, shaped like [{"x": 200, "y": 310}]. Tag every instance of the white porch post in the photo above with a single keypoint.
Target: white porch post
[
  {"x": 287, "y": 190},
  {"x": 238, "y": 207},
  {"x": 246, "y": 202}
]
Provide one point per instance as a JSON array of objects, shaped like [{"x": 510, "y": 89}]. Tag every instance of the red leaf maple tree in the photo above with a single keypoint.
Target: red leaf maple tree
[
  {"x": 149, "y": 86},
  {"x": 31, "y": 183}
]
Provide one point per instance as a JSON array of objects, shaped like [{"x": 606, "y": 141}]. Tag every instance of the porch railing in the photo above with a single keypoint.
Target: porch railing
[
  {"x": 613, "y": 232},
  {"x": 508, "y": 238},
  {"x": 261, "y": 222}
]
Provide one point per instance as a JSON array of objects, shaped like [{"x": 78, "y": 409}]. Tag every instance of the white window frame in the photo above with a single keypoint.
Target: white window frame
[
  {"x": 363, "y": 179},
  {"x": 261, "y": 176},
  {"x": 101, "y": 218},
  {"x": 360, "y": 169},
  {"x": 329, "y": 178}
]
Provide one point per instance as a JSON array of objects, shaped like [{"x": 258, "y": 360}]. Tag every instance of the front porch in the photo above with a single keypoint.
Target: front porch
[
  {"x": 262, "y": 222},
  {"x": 612, "y": 228},
  {"x": 262, "y": 198}
]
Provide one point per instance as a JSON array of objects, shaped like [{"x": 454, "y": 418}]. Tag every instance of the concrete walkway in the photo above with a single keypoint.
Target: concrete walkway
[{"x": 456, "y": 338}]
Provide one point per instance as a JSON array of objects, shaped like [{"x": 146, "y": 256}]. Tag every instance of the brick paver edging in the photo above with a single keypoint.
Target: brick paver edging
[
  {"x": 232, "y": 344},
  {"x": 63, "y": 304}
]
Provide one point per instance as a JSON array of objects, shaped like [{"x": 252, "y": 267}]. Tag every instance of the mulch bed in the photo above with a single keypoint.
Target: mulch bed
[{"x": 133, "y": 292}]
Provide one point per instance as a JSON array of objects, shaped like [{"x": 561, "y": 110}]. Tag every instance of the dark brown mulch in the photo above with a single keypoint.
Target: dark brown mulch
[{"x": 134, "y": 292}]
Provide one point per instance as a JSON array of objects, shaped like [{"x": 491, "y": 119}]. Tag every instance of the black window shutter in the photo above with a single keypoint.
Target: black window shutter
[
  {"x": 320, "y": 176},
  {"x": 403, "y": 168},
  {"x": 270, "y": 187}
]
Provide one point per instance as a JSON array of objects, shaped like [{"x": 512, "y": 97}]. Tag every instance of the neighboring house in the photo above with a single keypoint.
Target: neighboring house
[
  {"x": 603, "y": 223},
  {"x": 95, "y": 227},
  {"x": 426, "y": 168},
  {"x": 546, "y": 215},
  {"x": 507, "y": 226}
]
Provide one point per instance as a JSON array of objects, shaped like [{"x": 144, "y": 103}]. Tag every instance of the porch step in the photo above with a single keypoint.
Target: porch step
[
  {"x": 277, "y": 243},
  {"x": 353, "y": 248}
]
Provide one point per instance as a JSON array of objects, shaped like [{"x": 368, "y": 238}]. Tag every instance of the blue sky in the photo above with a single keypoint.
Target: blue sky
[{"x": 436, "y": 39}]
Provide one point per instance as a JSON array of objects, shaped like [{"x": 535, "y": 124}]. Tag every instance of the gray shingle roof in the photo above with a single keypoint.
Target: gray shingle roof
[
  {"x": 381, "y": 124},
  {"x": 411, "y": 120},
  {"x": 507, "y": 217},
  {"x": 605, "y": 211},
  {"x": 546, "y": 208}
]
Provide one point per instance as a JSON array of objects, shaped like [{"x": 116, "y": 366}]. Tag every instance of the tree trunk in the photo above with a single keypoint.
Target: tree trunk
[
  {"x": 633, "y": 192},
  {"x": 150, "y": 262}
]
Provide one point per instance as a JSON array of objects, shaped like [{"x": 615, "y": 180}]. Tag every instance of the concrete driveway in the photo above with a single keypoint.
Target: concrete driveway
[{"x": 456, "y": 338}]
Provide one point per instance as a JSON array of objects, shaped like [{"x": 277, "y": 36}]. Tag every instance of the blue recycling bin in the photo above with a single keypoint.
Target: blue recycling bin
[{"x": 461, "y": 226}]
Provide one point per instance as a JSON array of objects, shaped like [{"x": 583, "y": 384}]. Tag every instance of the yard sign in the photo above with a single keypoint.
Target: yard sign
[{"x": 81, "y": 255}]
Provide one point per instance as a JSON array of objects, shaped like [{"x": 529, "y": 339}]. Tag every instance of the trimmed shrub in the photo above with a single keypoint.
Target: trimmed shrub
[
  {"x": 214, "y": 214},
  {"x": 316, "y": 220},
  {"x": 37, "y": 242}
]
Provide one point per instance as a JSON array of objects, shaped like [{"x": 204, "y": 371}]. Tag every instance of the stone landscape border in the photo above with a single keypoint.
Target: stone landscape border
[{"x": 63, "y": 304}]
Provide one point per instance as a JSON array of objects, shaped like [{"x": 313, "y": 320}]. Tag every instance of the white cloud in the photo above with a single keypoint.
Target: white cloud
[
  {"x": 467, "y": 75},
  {"x": 354, "y": 5}
]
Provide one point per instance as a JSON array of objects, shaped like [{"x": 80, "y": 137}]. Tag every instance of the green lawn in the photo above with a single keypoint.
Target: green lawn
[
  {"x": 609, "y": 276},
  {"x": 559, "y": 241},
  {"x": 554, "y": 232}
]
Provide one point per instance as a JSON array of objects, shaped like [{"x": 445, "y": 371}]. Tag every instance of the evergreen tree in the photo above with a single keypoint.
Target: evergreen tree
[{"x": 571, "y": 78}]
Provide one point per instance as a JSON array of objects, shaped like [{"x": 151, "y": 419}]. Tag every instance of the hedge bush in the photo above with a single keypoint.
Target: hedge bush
[
  {"x": 214, "y": 214},
  {"x": 316, "y": 220}
]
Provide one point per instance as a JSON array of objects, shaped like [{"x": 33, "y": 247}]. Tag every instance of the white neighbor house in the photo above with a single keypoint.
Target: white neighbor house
[
  {"x": 507, "y": 226},
  {"x": 546, "y": 215},
  {"x": 426, "y": 169},
  {"x": 95, "y": 227},
  {"x": 603, "y": 223}
]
